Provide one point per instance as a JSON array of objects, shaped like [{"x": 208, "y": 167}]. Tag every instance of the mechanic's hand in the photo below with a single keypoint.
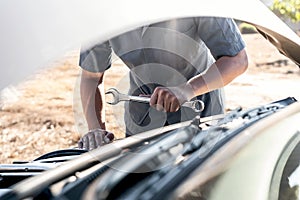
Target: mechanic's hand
[
  {"x": 169, "y": 99},
  {"x": 95, "y": 138}
]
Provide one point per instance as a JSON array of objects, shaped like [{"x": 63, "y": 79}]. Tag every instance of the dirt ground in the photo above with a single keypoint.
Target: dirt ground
[{"x": 43, "y": 113}]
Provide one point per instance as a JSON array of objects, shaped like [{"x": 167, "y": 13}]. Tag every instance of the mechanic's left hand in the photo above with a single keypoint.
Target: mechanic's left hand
[
  {"x": 169, "y": 99},
  {"x": 95, "y": 138}
]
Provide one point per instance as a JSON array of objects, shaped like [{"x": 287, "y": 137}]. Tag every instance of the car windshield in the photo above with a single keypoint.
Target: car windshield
[
  {"x": 46, "y": 108},
  {"x": 181, "y": 103}
]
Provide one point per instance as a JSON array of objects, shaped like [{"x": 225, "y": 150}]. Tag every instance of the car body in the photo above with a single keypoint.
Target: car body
[{"x": 252, "y": 154}]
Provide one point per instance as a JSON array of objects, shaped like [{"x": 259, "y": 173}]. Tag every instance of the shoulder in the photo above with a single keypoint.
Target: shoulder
[
  {"x": 221, "y": 35},
  {"x": 216, "y": 22}
]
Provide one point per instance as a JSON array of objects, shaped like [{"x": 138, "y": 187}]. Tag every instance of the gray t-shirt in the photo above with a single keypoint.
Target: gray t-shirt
[{"x": 167, "y": 54}]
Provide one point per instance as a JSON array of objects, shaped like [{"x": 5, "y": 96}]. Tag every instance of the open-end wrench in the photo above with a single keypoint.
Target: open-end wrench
[{"x": 196, "y": 105}]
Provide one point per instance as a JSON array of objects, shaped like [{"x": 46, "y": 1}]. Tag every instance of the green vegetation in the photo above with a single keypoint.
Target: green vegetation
[
  {"x": 287, "y": 9},
  {"x": 246, "y": 28}
]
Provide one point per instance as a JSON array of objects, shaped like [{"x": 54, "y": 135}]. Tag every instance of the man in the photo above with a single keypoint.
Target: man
[{"x": 172, "y": 62}]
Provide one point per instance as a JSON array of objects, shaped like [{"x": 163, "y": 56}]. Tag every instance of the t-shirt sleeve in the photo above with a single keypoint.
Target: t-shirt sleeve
[
  {"x": 96, "y": 58},
  {"x": 221, "y": 36}
]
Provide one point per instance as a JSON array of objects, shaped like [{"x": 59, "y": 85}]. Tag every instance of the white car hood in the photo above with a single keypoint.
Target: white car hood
[{"x": 33, "y": 33}]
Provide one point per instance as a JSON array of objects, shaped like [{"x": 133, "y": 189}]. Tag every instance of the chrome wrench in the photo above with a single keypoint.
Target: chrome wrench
[{"x": 196, "y": 105}]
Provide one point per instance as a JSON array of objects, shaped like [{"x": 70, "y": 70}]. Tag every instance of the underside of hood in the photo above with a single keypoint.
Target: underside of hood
[
  {"x": 284, "y": 45},
  {"x": 34, "y": 33}
]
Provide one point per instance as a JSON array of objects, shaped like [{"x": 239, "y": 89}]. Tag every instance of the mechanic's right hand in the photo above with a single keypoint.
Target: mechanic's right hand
[
  {"x": 95, "y": 138},
  {"x": 169, "y": 99}
]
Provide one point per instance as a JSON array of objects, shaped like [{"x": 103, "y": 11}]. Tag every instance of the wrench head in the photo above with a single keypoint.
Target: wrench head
[{"x": 114, "y": 96}]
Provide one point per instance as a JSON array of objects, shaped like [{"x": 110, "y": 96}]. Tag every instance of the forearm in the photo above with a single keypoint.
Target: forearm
[
  {"x": 221, "y": 73},
  {"x": 91, "y": 100},
  {"x": 218, "y": 75}
]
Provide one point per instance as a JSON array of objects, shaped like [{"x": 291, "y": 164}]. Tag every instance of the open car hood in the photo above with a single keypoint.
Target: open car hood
[{"x": 33, "y": 33}]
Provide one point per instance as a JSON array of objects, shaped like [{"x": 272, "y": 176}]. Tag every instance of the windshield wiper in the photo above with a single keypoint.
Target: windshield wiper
[
  {"x": 33, "y": 186},
  {"x": 205, "y": 144},
  {"x": 208, "y": 145},
  {"x": 137, "y": 165}
]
